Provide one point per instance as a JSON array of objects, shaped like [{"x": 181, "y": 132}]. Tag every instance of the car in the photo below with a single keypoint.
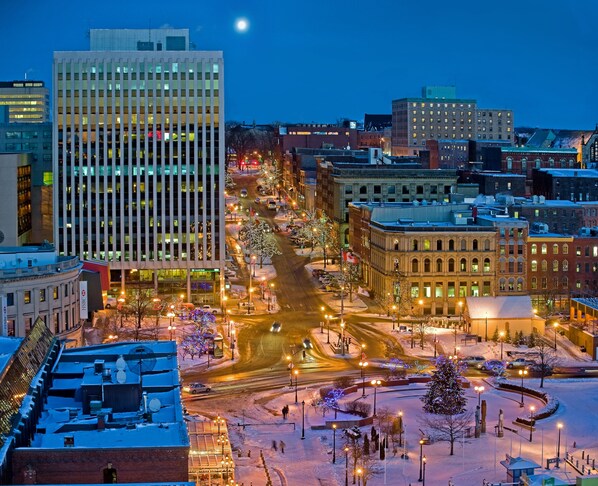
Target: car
[
  {"x": 271, "y": 204},
  {"x": 208, "y": 308},
  {"x": 258, "y": 200},
  {"x": 243, "y": 193},
  {"x": 539, "y": 369},
  {"x": 110, "y": 302},
  {"x": 318, "y": 272},
  {"x": 247, "y": 305},
  {"x": 520, "y": 363},
  {"x": 194, "y": 388},
  {"x": 307, "y": 343},
  {"x": 473, "y": 361},
  {"x": 276, "y": 327},
  {"x": 403, "y": 328},
  {"x": 492, "y": 365}
]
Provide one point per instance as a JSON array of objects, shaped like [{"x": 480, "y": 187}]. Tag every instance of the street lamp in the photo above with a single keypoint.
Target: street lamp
[
  {"x": 171, "y": 316},
  {"x": 424, "y": 480},
  {"x": 322, "y": 322},
  {"x": 232, "y": 345},
  {"x": 290, "y": 367},
  {"x": 554, "y": 326},
  {"x": 302, "y": 419},
  {"x": 359, "y": 474},
  {"x": 421, "y": 460},
  {"x": 363, "y": 365},
  {"x": 558, "y": 447},
  {"x": 532, "y": 409},
  {"x": 226, "y": 462},
  {"x": 222, "y": 440},
  {"x": 218, "y": 421},
  {"x": 270, "y": 297},
  {"x": 486, "y": 337},
  {"x": 400, "y": 429},
  {"x": 501, "y": 334},
  {"x": 394, "y": 310},
  {"x": 333, "y": 443},
  {"x": 327, "y": 317},
  {"x": 346, "y": 465},
  {"x": 343, "y": 337},
  {"x": 479, "y": 390},
  {"x": 296, "y": 373},
  {"x": 522, "y": 373},
  {"x": 375, "y": 384},
  {"x": 171, "y": 329}
]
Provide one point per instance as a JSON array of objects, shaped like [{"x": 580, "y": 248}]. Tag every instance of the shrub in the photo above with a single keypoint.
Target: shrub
[{"x": 343, "y": 382}]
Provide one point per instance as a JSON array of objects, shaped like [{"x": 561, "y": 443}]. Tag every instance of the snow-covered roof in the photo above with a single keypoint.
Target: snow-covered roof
[
  {"x": 517, "y": 463},
  {"x": 8, "y": 346},
  {"x": 504, "y": 307},
  {"x": 98, "y": 398}
]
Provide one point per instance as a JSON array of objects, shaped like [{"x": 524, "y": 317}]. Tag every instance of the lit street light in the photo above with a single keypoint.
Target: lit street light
[
  {"x": 424, "y": 480},
  {"x": 296, "y": 373},
  {"x": 171, "y": 316},
  {"x": 363, "y": 365},
  {"x": 522, "y": 373},
  {"x": 394, "y": 310},
  {"x": 232, "y": 345},
  {"x": 343, "y": 337},
  {"x": 421, "y": 460},
  {"x": 401, "y": 429},
  {"x": 479, "y": 390},
  {"x": 359, "y": 474},
  {"x": 501, "y": 334},
  {"x": 532, "y": 409},
  {"x": 375, "y": 384},
  {"x": 333, "y": 443},
  {"x": 554, "y": 326},
  {"x": 171, "y": 329},
  {"x": 346, "y": 466},
  {"x": 302, "y": 419},
  {"x": 558, "y": 447}
]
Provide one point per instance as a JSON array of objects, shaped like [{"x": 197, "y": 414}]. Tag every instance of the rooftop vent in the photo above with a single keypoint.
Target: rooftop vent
[
  {"x": 98, "y": 366},
  {"x": 69, "y": 441}
]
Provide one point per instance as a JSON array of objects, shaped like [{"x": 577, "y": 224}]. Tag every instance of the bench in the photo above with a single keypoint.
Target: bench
[{"x": 470, "y": 337}]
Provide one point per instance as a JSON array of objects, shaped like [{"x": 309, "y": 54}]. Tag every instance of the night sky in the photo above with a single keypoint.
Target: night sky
[{"x": 322, "y": 60}]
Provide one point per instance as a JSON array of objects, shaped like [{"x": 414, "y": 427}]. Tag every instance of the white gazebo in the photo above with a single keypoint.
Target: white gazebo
[{"x": 515, "y": 313}]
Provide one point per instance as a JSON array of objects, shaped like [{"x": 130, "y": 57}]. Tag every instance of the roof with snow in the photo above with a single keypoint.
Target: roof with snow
[
  {"x": 555, "y": 138},
  {"x": 503, "y": 307},
  {"x": 8, "y": 346},
  {"x": 592, "y": 173},
  {"x": 113, "y": 396},
  {"x": 517, "y": 463}
]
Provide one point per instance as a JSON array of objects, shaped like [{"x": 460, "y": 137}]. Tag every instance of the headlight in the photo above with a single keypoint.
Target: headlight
[{"x": 187, "y": 389}]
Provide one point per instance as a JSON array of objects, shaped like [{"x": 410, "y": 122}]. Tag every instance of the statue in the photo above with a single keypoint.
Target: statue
[
  {"x": 501, "y": 418},
  {"x": 477, "y": 421}
]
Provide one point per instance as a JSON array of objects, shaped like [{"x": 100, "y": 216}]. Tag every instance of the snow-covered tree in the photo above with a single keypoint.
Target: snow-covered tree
[
  {"x": 195, "y": 344},
  {"x": 445, "y": 396},
  {"x": 318, "y": 232},
  {"x": 202, "y": 319}
]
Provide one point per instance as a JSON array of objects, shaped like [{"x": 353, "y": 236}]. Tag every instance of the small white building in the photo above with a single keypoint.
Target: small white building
[{"x": 486, "y": 314}]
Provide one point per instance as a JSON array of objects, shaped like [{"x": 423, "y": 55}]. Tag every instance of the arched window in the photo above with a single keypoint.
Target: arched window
[
  {"x": 565, "y": 266},
  {"x": 511, "y": 284},
  {"x": 463, "y": 245},
  {"x": 396, "y": 245},
  {"x": 427, "y": 265},
  {"x": 534, "y": 249},
  {"x": 363, "y": 189},
  {"x": 463, "y": 265},
  {"x": 427, "y": 245},
  {"x": 555, "y": 249},
  {"x": 438, "y": 245},
  {"x": 414, "y": 245},
  {"x": 474, "y": 245},
  {"x": 534, "y": 283},
  {"x": 451, "y": 245},
  {"x": 486, "y": 265},
  {"x": 509, "y": 163},
  {"x": 565, "y": 282},
  {"x": 534, "y": 265},
  {"x": 544, "y": 265},
  {"x": 502, "y": 284},
  {"x": 555, "y": 266},
  {"x": 438, "y": 265},
  {"x": 415, "y": 265},
  {"x": 565, "y": 249},
  {"x": 475, "y": 265},
  {"x": 544, "y": 248},
  {"x": 451, "y": 265},
  {"x": 519, "y": 284}
]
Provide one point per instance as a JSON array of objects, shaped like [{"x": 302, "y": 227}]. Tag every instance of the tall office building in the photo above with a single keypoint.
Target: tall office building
[
  {"x": 139, "y": 159},
  {"x": 440, "y": 115},
  {"x": 24, "y": 101}
]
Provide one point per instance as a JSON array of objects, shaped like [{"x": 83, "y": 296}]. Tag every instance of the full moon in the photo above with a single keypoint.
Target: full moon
[{"x": 241, "y": 25}]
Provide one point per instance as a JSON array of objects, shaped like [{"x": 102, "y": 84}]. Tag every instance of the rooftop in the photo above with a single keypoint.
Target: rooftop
[{"x": 578, "y": 173}]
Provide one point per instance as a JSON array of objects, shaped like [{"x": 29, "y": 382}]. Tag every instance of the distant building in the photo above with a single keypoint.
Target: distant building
[
  {"x": 448, "y": 154},
  {"x": 139, "y": 160},
  {"x": 440, "y": 115},
  {"x": 317, "y": 136},
  {"x": 376, "y": 123},
  {"x": 493, "y": 183},
  {"x": 35, "y": 139},
  {"x": 16, "y": 207},
  {"x": 571, "y": 184},
  {"x": 26, "y": 102},
  {"x": 589, "y": 151},
  {"x": 560, "y": 217},
  {"x": 36, "y": 283}
]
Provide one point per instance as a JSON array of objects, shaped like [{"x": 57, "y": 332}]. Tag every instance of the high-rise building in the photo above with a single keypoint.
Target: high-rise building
[
  {"x": 139, "y": 159},
  {"x": 440, "y": 115},
  {"x": 24, "y": 101}
]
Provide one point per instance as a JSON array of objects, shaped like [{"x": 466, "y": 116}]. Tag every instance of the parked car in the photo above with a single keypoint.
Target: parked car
[
  {"x": 318, "y": 272},
  {"x": 520, "y": 363},
  {"x": 403, "y": 328},
  {"x": 243, "y": 193},
  {"x": 474, "y": 361},
  {"x": 276, "y": 327},
  {"x": 258, "y": 200},
  {"x": 194, "y": 388},
  {"x": 307, "y": 343},
  {"x": 110, "y": 302},
  {"x": 208, "y": 308},
  {"x": 249, "y": 305},
  {"x": 539, "y": 369},
  {"x": 492, "y": 365}
]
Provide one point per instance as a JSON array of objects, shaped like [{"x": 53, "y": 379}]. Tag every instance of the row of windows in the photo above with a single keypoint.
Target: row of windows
[
  {"x": 439, "y": 266},
  {"x": 405, "y": 189},
  {"x": 452, "y": 290},
  {"x": 538, "y": 163},
  {"x": 42, "y": 295},
  {"x": 427, "y": 245}
]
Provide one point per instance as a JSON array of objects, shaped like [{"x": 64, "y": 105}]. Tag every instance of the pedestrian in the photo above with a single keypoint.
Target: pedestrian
[
  {"x": 282, "y": 444},
  {"x": 274, "y": 446}
]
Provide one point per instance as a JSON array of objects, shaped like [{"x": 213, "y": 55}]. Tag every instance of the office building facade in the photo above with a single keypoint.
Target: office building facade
[
  {"x": 139, "y": 159},
  {"x": 24, "y": 102}
]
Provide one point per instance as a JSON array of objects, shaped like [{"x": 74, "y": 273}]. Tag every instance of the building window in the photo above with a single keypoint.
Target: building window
[
  {"x": 27, "y": 297},
  {"x": 463, "y": 245},
  {"x": 451, "y": 245},
  {"x": 534, "y": 282},
  {"x": 565, "y": 266},
  {"x": 414, "y": 245},
  {"x": 475, "y": 289},
  {"x": 544, "y": 283},
  {"x": 10, "y": 299},
  {"x": 427, "y": 245},
  {"x": 451, "y": 289},
  {"x": 427, "y": 289},
  {"x": 414, "y": 265},
  {"x": 534, "y": 265},
  {"x": 519, "y": 285},
  {"x": 544, "y": 265},
  {"x": 565, "y": 282},
  {"x": 534, "y": 249},
  {"x": 555, "y": 249},
  {"x": 474, "y": 245},
  {"x": 462, "y": 289},
  {"x": 544, "y": 249},
  {"x": 427, "y": 265},
  {"x": 475, "y": 265},
  {"x": 487, "y": 245},
  {"x": 439, "y": 245},
  {"x": 509, "y": 163},
  {"x": 486, "y": 265},
  {"x": 396, "y": 245},
  {"x": 438, "y": 290},
  {"x": 565, "y": 249},
  {"x": 414, "y": 291},
  {"x": 55, "y": 293},
  {"x": 42, "y": 295},
  {"x": 438, "y": 265},
  {"x": 502, "y": 284},
  {"x": 486, "y": 289},
  {"x": 451, "y": 265},
  {"x": 463, "y": 265},
  {"x": 555, "y": 266}
]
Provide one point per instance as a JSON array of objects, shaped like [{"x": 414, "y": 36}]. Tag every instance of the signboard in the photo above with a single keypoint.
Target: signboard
[
  {"x": 3, "y": 314},
  {"x": 83, "y": 301}
]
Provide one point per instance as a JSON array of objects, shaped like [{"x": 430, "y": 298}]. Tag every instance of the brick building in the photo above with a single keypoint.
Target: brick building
[
  {"x": 562, "y": 217},
  {"x": 571, "y": 184},
  {"x": 492, "y": 183},
  {"x": 317, "y": 136}
]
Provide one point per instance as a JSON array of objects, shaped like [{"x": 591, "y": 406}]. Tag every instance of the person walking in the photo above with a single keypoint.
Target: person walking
[
  {"x": 274, "y": 446},
  {"x": 282, "y": 445}
]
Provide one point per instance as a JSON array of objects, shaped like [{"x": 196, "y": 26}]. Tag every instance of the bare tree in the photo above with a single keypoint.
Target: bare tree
[
  {"x": 139, "y": 303},
  {"x": 447, "y": 428},
  {"x": 547, "y": 358}
]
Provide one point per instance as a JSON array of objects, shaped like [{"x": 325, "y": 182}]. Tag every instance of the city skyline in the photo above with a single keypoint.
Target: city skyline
[{"x": 320, "y": 63}]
